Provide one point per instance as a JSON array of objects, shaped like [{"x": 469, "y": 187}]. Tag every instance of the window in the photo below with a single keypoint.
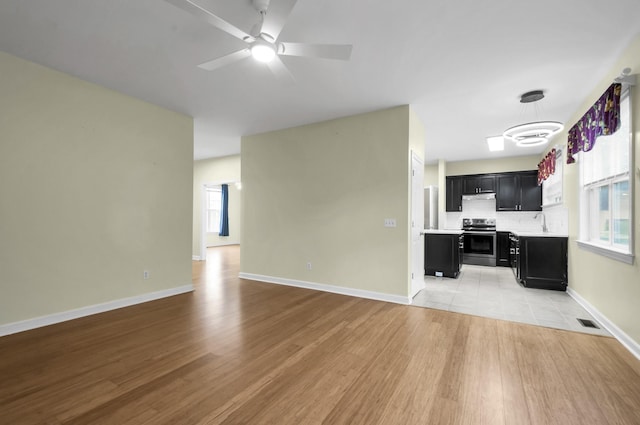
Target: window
[
  {"x": 606, "y": 196},
  {"x": 213, "y": 200}
]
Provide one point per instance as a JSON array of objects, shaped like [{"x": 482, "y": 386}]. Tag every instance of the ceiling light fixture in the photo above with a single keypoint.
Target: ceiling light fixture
[
  {"x": 496, "y": 143},
  {"x": 263, "y": 51},
  {"x": 533, "y": 133},
  {"x": 532, "y": 96}
]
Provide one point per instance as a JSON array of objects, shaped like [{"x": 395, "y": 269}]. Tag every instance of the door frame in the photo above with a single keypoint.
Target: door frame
[{"x": 416, "y": 217}]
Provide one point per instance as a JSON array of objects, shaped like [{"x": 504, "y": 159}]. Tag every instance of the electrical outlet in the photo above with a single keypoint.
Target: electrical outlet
[
  {"x": 146, "y": 274},
  {"x": 309, "y": 266},
  {"x": 389, "y": 222}
]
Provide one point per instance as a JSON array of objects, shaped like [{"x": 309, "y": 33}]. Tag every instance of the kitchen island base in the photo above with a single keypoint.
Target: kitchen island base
[
  {"x": 542, "y": 262},
  {"x": 442, "y": 254}
]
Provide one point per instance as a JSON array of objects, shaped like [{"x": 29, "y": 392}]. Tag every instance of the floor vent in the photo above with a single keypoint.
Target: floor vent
[{"x": 588, "y": 323}]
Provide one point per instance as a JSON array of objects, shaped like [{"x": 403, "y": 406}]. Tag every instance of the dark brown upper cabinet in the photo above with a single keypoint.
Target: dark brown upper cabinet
[
  {"x": 454, "y": 194},
  {"x": 515, "y": 191},
  {"x": 482, "y": 183},
  {"x": 518, "y": 192}
]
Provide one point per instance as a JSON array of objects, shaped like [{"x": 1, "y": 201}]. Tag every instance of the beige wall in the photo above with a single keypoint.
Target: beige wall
[
  {"x": 95, "y": 188},
  {"x": 610, "y": 286},
  {"x": 431, "y": 175},
  {"x": 498, "y": 165},
  {"x": 442, "y": 194},
  {"x": 320, "y": 193},
  {"x": 416, "y": 134},
  {"x": 216, "y": 171}
]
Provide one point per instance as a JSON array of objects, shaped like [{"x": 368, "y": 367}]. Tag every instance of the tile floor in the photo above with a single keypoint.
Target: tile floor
[{"x": 493, "y": 292}]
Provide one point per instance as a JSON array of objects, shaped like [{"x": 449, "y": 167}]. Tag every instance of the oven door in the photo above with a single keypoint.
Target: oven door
[{"x": 480, "y": 248}]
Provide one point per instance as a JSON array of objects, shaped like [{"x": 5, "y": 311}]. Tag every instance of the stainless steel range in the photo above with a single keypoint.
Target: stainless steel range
[{"x": 479, "y": 241}]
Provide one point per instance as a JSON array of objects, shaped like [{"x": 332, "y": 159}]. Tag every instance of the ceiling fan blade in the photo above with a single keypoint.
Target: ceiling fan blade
[
  {"x": 325, "y": 51},
  {"x": 194, "y": 9},
  {"x": 276, "y": 16},
  {"x": 280, "y": 70},
  {"x": 225, "y": 60}
]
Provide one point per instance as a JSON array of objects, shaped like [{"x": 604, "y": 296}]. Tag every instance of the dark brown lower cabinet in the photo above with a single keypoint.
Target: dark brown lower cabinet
[
  {"x": 502, "y": 249},
  {"x": 542, "y": 262},
  {"x": 442, "y": 254}
]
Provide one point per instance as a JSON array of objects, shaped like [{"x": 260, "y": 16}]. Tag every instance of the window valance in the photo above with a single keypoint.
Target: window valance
[
  {"x": 602, "y": 119},
  {"x": 547, "y": 166}
]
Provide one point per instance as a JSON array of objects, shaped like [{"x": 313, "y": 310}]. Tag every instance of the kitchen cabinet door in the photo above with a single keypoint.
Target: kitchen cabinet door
[
  {"x": 530, "y": 192},
  {"x": 469, "y": 185},
  {"x": 454, "y": 194},
  {"x": 473, "y": 185},
  {"x": 502, "y": 249},
  {"x": 507, "y": 193},
  {"x": 441, "y": 254},
  {"x": 518, "y": 192},
  {"x": 486, "y": 183}
]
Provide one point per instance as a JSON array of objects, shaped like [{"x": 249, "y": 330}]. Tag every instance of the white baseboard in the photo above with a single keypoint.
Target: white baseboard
[
  {"x": 360, "y": 293},
  {"x": 195, "y": 258},
  {"x": 614, "y": 330},
  {"x": 38, "y": 322}
]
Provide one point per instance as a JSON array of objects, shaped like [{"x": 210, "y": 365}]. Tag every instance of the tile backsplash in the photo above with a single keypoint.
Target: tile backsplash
[{"x": 520, "y": 221}]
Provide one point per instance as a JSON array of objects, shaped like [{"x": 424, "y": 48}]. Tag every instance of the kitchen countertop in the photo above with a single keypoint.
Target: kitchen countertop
[
  {"x": 443, "y": 231},
  {"x": 538, "y": 234},
  {"x": 515, "y": 232}
]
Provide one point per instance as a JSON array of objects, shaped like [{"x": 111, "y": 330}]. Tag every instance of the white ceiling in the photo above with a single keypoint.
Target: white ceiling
[{"x": 462, "y": 64}]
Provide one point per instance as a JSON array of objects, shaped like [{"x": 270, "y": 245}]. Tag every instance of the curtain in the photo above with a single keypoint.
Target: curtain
[
  {"x": 224, "y": 211},
  {"x": 547, "y": 166},
  {"x": 602, "y": 119}
]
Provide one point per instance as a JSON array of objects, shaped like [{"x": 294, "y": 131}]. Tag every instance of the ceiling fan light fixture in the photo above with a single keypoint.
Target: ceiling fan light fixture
[{"x": 263, "y": 51}]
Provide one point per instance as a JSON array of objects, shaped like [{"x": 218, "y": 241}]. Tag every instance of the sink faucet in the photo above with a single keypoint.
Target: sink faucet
[{"x": 544, "y": 221}]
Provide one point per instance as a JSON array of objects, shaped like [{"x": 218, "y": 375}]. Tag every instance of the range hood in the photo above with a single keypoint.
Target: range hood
[{"x": 479, "y": 196}]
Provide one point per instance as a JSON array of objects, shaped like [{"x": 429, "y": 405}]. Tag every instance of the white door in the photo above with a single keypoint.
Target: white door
[{"x": 417, "y": 224}]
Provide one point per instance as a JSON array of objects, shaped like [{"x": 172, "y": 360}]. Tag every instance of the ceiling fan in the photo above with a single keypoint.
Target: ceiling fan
[{"x": 263, "y": 44}]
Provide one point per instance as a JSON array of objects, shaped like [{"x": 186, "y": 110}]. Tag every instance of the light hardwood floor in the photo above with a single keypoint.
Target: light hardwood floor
[{"x": 242, "y": 352}]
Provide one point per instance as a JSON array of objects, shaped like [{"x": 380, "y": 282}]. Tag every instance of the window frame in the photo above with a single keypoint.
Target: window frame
[
  {"x": 208, "y": 228},
  {"x": 587, "y": 208}
]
